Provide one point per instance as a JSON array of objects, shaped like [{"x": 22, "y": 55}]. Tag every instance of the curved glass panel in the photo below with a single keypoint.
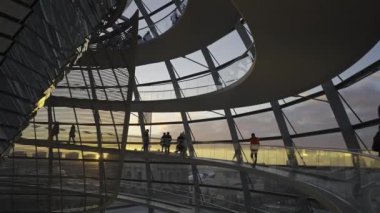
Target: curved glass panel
[
  {"x": 184, "y": 66},
  {"x": 211, "y": 130},
  {"x": 311, "y": 115},
  {"x": 151, "y": 73},
  {"x": 366, "y": 135},
  {"x": 227, "y": 47},
  {"x": 162, "y": 17},
  {"x": 263, "y": 125},
  {"x": 157, "y": 92},
  {"x": 365, "y": 106},
  {"x": 205, "y": 114},
  {"x": 333, "y": 140},
  {"x": 164, "y": 23},
  {"x": 166, "y": 117},
  {"x": 215, "y": 151},
  {"x": 229, "y": 73}
]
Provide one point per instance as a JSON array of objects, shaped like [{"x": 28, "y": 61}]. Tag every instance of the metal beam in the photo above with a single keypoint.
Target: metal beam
[
  {"x": 281, "y": 123},
  {"x": 341, "y": 116},
  {"x": 235, "y": 139},
  {"x": 102, "y": 186},
  {"x": 210, "y": 63},
  {"x": 186, "y": 126},
  {"x": 132, "y": 89},
  {"x": 240, "y": 29},
  {"x": 244, "y": 177},
  {"x": 147, "y": 18},
  {"x": 50, "y": 166},
  {"x": 148, "y": 170}
]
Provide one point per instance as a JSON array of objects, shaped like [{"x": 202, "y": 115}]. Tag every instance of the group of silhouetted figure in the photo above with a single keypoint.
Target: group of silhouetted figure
[
  {"x": 54, "y": 132},
  {"x": 166, "y": 142}
]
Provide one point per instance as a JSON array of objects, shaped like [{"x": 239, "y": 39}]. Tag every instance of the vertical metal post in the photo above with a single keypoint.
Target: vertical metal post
[
  {"x": 147, "y": 18},
  {"x": 244, "y": 35},
  {"x": 244, "y": 178},
  {"x": 281, "y": 123},
  {"x": 234, "y": 136},
  {"x": 99, "y": 142},
  {"x": 210, "y": 63},
  {"x": 341, "y": 116},
  {"x": 346, "y": 129},
  {"x": 153, "y": 29},
  {"x": 50, "y": 155},
  {"x": 148, "y": 170},
  {"x": 132, "y": 89},
  {"x": 186, "y": 126}
]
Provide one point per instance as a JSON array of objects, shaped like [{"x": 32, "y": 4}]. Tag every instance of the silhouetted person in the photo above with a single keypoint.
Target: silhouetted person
[
  {"x": 146, "y": 140},
  {"x": 147, "y": 36},
  {"x": 376, "y": 142},
  {"x": 376, "y": 139},
  {"x": 72, "y": 134},
  {"x": 162, "y": 141},
  {"x": 174, "y": 17},
  {"x": 168, "y": 140},
  {"x": 255, "y": 143},
  {"x": 55, "y": 131},
  {"x": 181, "y": 144}
]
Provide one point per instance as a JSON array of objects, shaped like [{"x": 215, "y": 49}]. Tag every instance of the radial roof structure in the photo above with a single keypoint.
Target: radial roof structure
[{"x": 159, "y": 106}]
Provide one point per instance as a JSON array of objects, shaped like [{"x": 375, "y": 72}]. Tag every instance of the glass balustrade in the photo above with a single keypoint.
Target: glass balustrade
[
  {"x": 180, "y": 194},
  {"x": 350, "y": 176},
  {"x": 278, "y": 156},
  {"x": 57, "y": 179},
  {"x": 159, "y": 26},
  {"x": 165, "y": 23},
  {"x": 220, "y": 187},
  {"x": 110, "y": 89},
  {"x": 201, "y": 84}
]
